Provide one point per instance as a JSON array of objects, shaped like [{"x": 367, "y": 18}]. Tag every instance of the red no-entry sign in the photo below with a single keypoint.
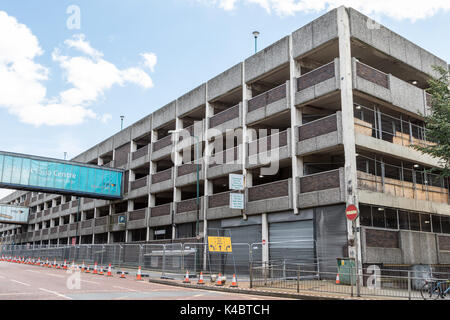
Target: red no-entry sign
[{"x": 351, "y": 212}]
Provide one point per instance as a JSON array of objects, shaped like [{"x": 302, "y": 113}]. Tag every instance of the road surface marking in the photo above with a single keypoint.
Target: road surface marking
[
  {"x": 90, "y": 281},
  {"x": 123, "y": 288},
  {"x": 25, "y": 284},
  {"x": 55, "y": 275},
  {"x": 14, "y": 294},
  {"x": 198, "y": 295},
  {"x": 56, "y": 293},
  {"x": 2, "y": 277}
]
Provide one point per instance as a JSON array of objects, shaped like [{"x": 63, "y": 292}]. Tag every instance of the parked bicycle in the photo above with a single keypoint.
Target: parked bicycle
[{"x": 434, "y": 289}]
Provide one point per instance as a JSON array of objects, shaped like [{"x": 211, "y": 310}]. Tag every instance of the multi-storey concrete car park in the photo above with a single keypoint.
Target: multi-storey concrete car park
[{"x": 348, "y": 98}]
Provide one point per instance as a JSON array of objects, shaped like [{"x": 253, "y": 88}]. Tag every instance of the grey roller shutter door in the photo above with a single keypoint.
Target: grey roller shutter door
[
  {"x": 331, "y": 236},
  {"x": 292, "y": 243},
  {"x": 242, "y": 235}
]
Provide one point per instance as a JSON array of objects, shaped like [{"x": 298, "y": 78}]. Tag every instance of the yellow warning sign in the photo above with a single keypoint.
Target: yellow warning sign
[{"x": 219, "y": 244}]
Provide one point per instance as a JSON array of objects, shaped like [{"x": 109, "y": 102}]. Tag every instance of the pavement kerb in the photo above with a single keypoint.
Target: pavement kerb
[{"x": 246, "y": 291}]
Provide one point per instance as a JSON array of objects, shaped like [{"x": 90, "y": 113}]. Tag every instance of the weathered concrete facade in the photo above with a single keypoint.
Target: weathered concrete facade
[{"x": 340, "y": 94}]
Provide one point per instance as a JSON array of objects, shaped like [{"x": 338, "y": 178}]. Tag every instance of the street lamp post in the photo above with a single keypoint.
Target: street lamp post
[
  {"x": 121, "y": 122},
  {"x": 256, "y": 34}
]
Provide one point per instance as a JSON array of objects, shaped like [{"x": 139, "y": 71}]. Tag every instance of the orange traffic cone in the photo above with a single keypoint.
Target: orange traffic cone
[
  {"x": 100, "y": 271},
  {"x": 219, "y": 280},
  {"x": 234, "y": 282},
  {"x": 186, "y": 278},
  {"x": 95, "y": 269},
  {"x": 109, "y": 274},
  {"x": 139, "y": 274},
  {"x": 87, "y": 269},
  {"x": 122, "y": 275},
  {"x": 337, "y": 279},
  {"x": 83, "y": 267},
  {"x": 65, "y": 265},
  {"x": 200, "y": 280}
]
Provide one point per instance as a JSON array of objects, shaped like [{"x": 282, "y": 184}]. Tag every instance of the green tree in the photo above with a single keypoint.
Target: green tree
[{"x": 437, "y": 123}]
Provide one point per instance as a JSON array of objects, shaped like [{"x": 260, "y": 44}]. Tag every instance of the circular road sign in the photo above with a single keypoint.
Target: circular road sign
[{"x": 351, "y": 212}]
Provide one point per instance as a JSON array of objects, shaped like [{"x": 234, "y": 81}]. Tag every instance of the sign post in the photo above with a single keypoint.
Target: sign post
[
  {"x": 237, "y": 200},
  {"x": 351, "y": 212}
]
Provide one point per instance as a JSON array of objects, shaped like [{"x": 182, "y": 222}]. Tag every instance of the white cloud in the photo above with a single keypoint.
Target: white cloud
[
  {"x": 105, "y": 118},
  {"x": 397, "y": 9},
  {"x": 137, "y": 76},
  {"x": 78, "y": 42},
  {"x": 150, "y": 60},
  {"x": 22, "y": 89}
]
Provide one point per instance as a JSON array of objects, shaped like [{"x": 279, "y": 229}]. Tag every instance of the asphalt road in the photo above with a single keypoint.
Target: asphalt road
[{"x": 26, "y": 282}]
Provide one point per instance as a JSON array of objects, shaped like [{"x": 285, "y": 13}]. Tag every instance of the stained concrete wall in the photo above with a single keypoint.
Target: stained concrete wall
[
  {"x": 191, "y": 100},
  {"x": 267, "y": 60},
  {"x": 315, "y": 34},
  {"x": 323, "y": 142},
  {"x": 142, "y": 127},
  {"x": 392, "y": 44},
  {"x": 164, "y": 115},
  {"x": 225, "y": 82},
  {"x": 122, "y": 137},
  {"x": 321, "y": 89},
  {"x": 386, "y": 200}
]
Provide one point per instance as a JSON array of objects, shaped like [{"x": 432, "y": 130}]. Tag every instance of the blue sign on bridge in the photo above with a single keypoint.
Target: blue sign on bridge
[
  {"x": 31, "y": 173},
  {"x": 14, "y": 214}
]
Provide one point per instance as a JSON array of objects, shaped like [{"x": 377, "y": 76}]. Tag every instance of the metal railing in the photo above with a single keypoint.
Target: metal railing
[
  {"x": 372, "y": 282},
  {"x": 304, "y": 273}
]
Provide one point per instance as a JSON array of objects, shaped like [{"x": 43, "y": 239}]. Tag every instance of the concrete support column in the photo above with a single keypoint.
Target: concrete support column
[
  {"x": 99, "y": 161},
  {"x": 177, "y": 160},
  {"x": 133, "y": 146},
  {"x": 265, "y": 238},
  {"x": 207, "y": 185},
  {"x": 151, "y": 199},
  {"x": 147, "y": 236},
  {"x": 246, "y": 95},
  {"x": 112, "y": 210},
  {"x": 130, "y": 205},
  {"x": 132, "y": 175},
  {"x": 348, "y": 125},
  {"x": 296, "y": 120}
]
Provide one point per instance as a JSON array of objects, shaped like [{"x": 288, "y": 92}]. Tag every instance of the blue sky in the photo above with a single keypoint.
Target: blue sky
[{"x": 193, "y": 40}]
